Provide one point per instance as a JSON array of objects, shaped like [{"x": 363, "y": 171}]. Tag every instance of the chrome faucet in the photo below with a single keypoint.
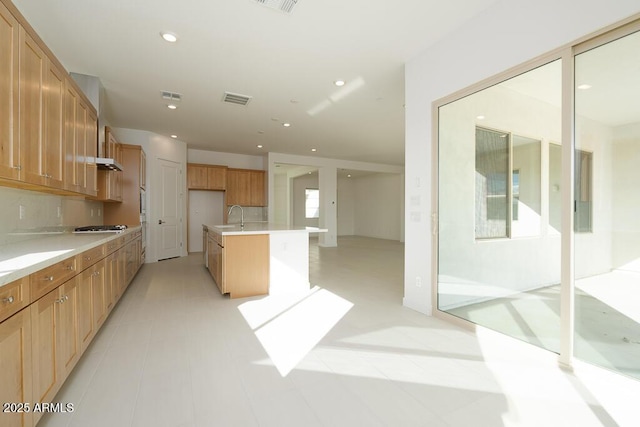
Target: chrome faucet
[{"x": 241, "y": 214}]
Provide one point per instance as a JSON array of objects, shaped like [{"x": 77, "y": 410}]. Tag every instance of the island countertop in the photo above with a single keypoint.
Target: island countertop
[{"x": 259, "y": 228}]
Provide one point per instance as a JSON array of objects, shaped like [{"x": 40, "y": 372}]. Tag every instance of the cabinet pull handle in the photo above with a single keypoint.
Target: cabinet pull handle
[
  {"x": 87, "y": 258},
  {"x": 9, "y": 300},
  {"x": 70, "y": 267},
  {"x": 18, "y": 167},
  {"x": 60, "y": 300},
  {"x": 48, "y": 279}
]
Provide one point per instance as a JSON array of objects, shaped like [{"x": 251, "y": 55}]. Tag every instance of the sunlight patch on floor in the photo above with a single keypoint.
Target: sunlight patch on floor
[{"x": 289, "y": 327}]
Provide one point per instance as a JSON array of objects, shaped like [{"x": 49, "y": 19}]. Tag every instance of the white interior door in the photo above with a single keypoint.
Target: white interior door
[{"x": 169, "y": 230}]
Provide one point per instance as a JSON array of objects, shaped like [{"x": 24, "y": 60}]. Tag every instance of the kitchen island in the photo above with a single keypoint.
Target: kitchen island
[{"x": 258, "y": 258}]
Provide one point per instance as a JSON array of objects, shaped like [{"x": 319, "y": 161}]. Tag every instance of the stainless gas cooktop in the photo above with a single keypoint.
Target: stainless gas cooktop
[{"x": 101, "y": 229}]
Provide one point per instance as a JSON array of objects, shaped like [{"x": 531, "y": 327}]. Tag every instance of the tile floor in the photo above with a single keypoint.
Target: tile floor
[{"x": 174, "y": 352}]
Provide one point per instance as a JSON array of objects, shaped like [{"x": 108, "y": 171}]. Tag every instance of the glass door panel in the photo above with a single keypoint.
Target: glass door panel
[
  {"x": 607, "y": 205},
  {"x": 498, "y": 231}
]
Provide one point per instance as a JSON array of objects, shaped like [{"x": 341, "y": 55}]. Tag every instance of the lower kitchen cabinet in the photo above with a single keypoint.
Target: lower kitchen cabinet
[
  {"x": 67, "y": 333},
  {"x": 16, "y": 372},
  {"x": 99, "y": 302},
  {"x": 86, "y": 329}
]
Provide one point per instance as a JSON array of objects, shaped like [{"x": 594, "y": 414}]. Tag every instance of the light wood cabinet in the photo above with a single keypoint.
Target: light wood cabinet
[
  {"x": 98, "y": 295},
  {"x": 9, "y": 95},
  {"x": 143, "y": 170},
  {"x": 52, "y": 149},
  {"x": 246, "y": 187},
  {"x": 16, "y": 372},
  {"x": 68, "y": 335},
  {"x": 196, "y": 177},
  {"x": 46, "y": 356},
  {"x": 91, "y": 140},
  {"x": 33, "y": 73},
  {"x": 14, "y": 297},
  {"x": 48, "y": 319},
  {"x": 206, "y": 177},
  {"x": 41, "y": 116},
  {"x": 86, "y": 330},
  {"x": 239, "y": 264},
  {"x": 55, "y": 340},
  {"x": 128, "y": 212},
  {"x": 109, "y": 186}
]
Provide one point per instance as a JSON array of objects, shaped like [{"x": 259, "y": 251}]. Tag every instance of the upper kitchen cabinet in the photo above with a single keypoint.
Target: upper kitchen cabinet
[
  {"x": 128, "y": 212},
  {"x": 9, "y": 90},
  {"x": 245, "y": 187},
  {"x": 206, "y": 177},
  {"x": 41, "y": 111},
  {"x": 110, "y": 181}
]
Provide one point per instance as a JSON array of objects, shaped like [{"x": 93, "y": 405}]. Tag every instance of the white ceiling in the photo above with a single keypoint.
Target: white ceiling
[{"x": 286, "y": 62}]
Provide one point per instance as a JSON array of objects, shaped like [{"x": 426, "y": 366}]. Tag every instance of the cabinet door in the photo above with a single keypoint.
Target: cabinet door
[
  {"x": 110, "y": 275},
  {"x": 33, "y": 69},
  {"x": 46, "y": 380},
  {"x": 98, "y": 300},
  {"x": 53, "y": 141},
  {"x": 91, "y": 139},
  {"x": 81, "y": 146},
  {"x": 85, "y": 309},
  {"x": 258, "y": 197},
  {"x": 238, "y": 187},
  {"x": 15, "y": 354},
  {"x": 216, "y": 178},
  {"x": 196, "y": 177},
  {"x": 9, "y": 90},
  {"x": 71, "y": 179},
  {"x": 143, "y": 170},
  {"x": 67, "y": 328}
]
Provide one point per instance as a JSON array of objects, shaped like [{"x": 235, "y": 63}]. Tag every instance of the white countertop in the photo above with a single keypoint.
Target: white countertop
[
  {"x": 23, "y": 258},
  {"x": 260, "y": 228}
]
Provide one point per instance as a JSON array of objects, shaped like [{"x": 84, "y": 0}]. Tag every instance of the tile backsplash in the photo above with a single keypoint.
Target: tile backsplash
[
  {"x": 23, "y": 211},
  {"x": 251, "y": 214}
]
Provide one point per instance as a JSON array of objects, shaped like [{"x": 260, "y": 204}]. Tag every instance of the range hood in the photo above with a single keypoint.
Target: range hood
[{"x": 108, "y": 164}]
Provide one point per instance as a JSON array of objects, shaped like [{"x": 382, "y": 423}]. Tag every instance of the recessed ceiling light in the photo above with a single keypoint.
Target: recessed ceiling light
[
  {"x": 339, "y": 83},
  {"x": 259, "y": 146},
  {"x": 314, "y": 150},
  {"x": 349, "y": 176},
  {"x": 286, "y": 125},
  {"x": 584, "y": 86},
  {"x": 174, "y": 136},
  {"x": 172, "y": 106},
  {"x": 480, "y": 117},
  {"x": 170, "y": 37}
]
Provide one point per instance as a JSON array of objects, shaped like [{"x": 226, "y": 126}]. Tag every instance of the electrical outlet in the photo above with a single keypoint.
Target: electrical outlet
[
  {"x": 91, "y": 213},
  {"x": 59, "y": 212},
  {"x": 99, "y": 212},
  {"x": 22, "y": 212},
  {"x": 418, "y": 282}
]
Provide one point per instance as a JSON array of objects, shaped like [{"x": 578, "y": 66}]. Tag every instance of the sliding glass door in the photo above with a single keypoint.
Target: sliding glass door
[
  {"x": 538, "y": 203},
  {"x": 499, "y": 253},
  {"x": 607, "y": 209}
]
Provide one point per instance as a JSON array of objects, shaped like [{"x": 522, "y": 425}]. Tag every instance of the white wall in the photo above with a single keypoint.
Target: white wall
[
  {"x": 346, "y": 207},
  {"x": 501, "y": 37},
  {"x": 378, "y": 206},
  {"x": 626, "y": 197},
  {"x": 158, "y": 147}
]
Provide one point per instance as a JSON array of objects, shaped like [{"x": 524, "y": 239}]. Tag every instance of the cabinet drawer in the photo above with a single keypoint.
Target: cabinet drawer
[
  {"x": 92, "y": 256},
  {"x": 51, "y": 277},
  {"x": 14, "y": 297}
]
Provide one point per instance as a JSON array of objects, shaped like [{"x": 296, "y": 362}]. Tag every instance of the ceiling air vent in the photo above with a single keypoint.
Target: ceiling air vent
[
  {"x": 236, "y": 98},
  {"x": 171, "y": 96},
  {"x": 281, "y": 5}
]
